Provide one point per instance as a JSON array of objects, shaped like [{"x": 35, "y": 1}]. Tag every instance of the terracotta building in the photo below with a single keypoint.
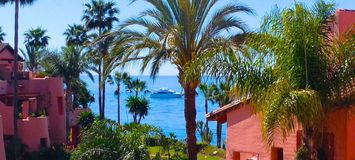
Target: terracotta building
[
  {"x": 42, "y": 115},
  {"x": 244, "y": 138}
]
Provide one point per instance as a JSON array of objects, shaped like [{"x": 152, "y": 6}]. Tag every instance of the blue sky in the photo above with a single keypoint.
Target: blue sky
[{"x": 55, "y": 15}]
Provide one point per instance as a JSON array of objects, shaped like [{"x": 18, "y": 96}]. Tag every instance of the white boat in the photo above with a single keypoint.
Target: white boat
[{"x": 165, "y": 93}]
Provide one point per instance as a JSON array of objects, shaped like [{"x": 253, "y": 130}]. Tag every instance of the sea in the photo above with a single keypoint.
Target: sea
[{"x": 168, "y": 114}]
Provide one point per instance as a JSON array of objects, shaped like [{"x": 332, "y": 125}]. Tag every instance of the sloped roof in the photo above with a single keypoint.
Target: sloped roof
[
  {"x": 7, "y": 46},
  {"x": 220, "y": 114}
]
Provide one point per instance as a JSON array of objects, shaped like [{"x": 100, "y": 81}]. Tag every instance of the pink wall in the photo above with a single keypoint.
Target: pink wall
[
  {"x": 31, "y": 130},
  {"x": 47, "y": 91},
  {"x": 342, "y": 124},
  {"x": 2, "y": 145},
  {"x": 350, "y": 134},
  {"x": 244, "y": 135},
  {"x": 7, "y": 116},
  {"x": 345, "y": 19}
]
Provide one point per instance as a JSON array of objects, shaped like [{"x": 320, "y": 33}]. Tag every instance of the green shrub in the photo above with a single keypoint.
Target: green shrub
[
  {"x": 107, "y": 140},
  {"x": 86, "y": 118}
]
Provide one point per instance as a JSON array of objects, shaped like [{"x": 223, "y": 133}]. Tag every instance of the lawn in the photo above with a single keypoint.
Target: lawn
[{"x": 201, "y": 156}]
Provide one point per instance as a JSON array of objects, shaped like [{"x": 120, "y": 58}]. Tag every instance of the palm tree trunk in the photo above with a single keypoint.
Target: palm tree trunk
[
  {"x": 190, "y": 118},
  {"x": 139, "y": 119},
  {"x": 68, "y": 101},
  {"x": 15, "y": 80},
  {"x": 308, "y": 141},
  {"x": 118, "y": 104},
  {"x": 103, "y": 97},
  {"x": 219, "y": 129},
  {"x": 102, "y": 116},
  {"x": 206, "y": 112},
  {"x": 134, "y": 118}
]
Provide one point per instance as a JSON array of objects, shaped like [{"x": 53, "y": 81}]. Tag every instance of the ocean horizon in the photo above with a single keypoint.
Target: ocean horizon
[{"x": 168, "y": 114}]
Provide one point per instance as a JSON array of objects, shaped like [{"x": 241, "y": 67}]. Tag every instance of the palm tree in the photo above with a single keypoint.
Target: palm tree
[
  {"x": 2, "y": 35},
  {"x": 100, "y": 16},
  {"x": 182, "y": 32},
  {"x": 75, "y": 35},
  {"x": 15, "y": 85},
  {"x": 296, "y": 76},
  {"x": 138, "y": 107},
  {"x": 137, "y": 86},
  {"x": 119, "y": 77},
  {"x": 221, "y": 95},
  {"x": 207, "y": 92},
  {"x": 69, "y": 65},
  {"x": 33, "y": 56},
  {"x": 36, "y": 37}
]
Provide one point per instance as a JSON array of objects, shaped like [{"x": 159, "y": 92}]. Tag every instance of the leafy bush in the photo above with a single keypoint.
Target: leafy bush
[
  {"x": 105, "y": 139},
  {"x": 86, "y": 118},
  {"x": 56, "y": 152},
  {"x": 9, "y": 148},
  {"x": 206, "y": 135}
]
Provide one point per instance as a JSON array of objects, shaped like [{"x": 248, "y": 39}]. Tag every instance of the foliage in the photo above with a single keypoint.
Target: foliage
[
  {"x": 174, "y": 148},
  {"x": 136, "y": 85},
  {"x": 107, "y": 140},
  {"x": 201, "y": 130},
  {"x": 181, "y": 32},
  {"x": 22, "y": 2},
  {"x": 2, "y": 35},
  {"x": 86, "y": 118},
  {"x": 69, "y": 63},
  {"x": 301, "y": 153},
  {"x": 99, "y": 17},
  {"x": 9, "y": 148},
  {"x": 36, "y": 37},
  {"x": 292, "y": 70},
  {"x": 75, "y": 35},
  {"x": 56, "y": 152},
  {"x": 82, "y": 95},
  {"x": 138, "y": 107},
  {"x": 36, "y": 41}
]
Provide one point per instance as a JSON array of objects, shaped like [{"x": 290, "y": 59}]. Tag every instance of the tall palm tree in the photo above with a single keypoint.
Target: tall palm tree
[
  {"x": 17, "y": 4},
  {"x": 33, "y": 56},
  {"x": 138, "y": 107},
  {"x": 119, "y": 77},
  {"x": 35, "y": 42},
  {"x": 36, "y": 37},
  {"x": 207, "y": 91},
  {"x": 75, "y": 35},
  {"x": 99, "y": 16},
  {"x": 69, "y": 65},
  {"x": 181, "y": 32},
  {"x": 297, "y": 73},
  {"x": 221, "y": 95},
  {"x": 2, "y": 35}
]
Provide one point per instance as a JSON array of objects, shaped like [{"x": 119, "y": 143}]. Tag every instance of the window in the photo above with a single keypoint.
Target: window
[
  {"x": 236, "y": 155},
  {"x": 277, "y": 153},
  {"x": 60, "y": 105}
]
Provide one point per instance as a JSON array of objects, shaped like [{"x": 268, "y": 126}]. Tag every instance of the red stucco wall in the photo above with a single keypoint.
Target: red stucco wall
[
  {"x": 244, "y": 135},
  {"x": 31, "y": 130},
  {"x": 2, "y": 145}
]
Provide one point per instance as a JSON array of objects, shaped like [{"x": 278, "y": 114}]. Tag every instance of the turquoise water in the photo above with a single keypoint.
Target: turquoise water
[{"x": 168, "y": 114}]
